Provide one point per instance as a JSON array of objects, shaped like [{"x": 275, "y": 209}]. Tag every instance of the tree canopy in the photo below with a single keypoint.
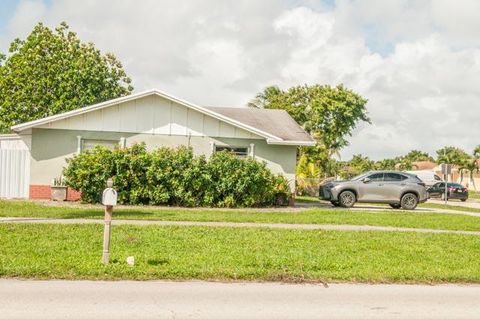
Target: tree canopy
[
  {"x": 328, "y": 113},
  {"x": 417, "y": 156},
  {"x": 452, "y": 155},
  {"x": 51, "y": 72},
  {"x": 359, "y": 164}
]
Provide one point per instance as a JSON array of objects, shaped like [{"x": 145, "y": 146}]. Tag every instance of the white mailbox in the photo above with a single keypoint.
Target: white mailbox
[{"x": 109, "y": 197}]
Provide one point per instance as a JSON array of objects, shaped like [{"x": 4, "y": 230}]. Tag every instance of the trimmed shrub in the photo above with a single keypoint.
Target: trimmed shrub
[
  {"x": 89, "y": 171},
  {"x": 175, "y": 177}
]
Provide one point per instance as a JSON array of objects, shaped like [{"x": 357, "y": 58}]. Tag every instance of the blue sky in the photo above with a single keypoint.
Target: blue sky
[
  {"x": 417, "y": 65},
  {"x": 8, "y": 8}
]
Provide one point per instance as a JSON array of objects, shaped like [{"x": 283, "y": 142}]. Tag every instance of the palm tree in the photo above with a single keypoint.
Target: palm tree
[
  {"x": 474, "y": 166},
  {"x": 476, "y": 152},
  {"x": 470, "y": 166},
  {"x": 416, "y": 156},
  {"x": 453, "y": 155},
  {"x": 386, "y": 164},
  {"x": 263, "y": 99}
]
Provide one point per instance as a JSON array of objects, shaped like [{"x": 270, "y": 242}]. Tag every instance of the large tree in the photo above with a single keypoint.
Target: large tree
[
  {"x": 451, "y": 155},
  {"x": 386, "y": 164},
  {"x": 328, "y": 113},
  {"x": 52, "y": 71},
  {"x": 417, "y": 156},
  {"x": 357, "y": 165}
]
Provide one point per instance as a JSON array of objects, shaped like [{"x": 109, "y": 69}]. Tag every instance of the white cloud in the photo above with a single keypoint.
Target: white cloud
[{"x": 418, "y": 66}]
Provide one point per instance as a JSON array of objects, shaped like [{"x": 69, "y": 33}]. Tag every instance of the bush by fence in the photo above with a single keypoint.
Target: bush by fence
[{"x": 170, "y": 176}]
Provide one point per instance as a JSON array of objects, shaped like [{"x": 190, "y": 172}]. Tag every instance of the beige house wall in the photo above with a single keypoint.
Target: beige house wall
[{"x": 50, "y": 147}]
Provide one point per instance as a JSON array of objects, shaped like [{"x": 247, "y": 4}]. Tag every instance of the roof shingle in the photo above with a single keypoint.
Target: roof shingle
[{"x": 276, "y": 122}]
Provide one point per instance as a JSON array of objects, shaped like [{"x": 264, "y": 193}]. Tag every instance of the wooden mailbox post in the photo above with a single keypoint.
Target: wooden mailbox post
[{"x": 109, "y": 199}]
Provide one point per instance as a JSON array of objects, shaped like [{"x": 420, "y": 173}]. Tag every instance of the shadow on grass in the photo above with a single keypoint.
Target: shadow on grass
[{"x": 157, "y": 262}]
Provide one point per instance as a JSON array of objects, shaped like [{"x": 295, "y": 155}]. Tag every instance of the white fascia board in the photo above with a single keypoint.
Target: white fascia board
[
  {"x": 297, "y": 143},
  {"x": 82, "y": 110}
]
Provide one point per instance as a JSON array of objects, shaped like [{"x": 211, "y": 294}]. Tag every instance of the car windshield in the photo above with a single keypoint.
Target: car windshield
[{"x": 359, "y": 177}]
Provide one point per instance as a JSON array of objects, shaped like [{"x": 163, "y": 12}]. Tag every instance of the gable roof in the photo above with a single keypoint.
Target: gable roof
[
  {"x": 251, "y": 126},
  {"x": 276, "y": 122}
]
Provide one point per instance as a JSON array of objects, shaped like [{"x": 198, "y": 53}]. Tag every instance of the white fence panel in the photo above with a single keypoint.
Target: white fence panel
[{"x": 14, "y": 173}]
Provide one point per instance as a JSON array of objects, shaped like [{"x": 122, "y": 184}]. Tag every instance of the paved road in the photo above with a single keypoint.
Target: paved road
[
  {"x": 87, "y": 299},
  {"x": 239, "y": 225}
]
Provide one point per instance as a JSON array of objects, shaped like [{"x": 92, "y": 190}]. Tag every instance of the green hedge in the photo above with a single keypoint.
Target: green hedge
[{"x": 170, "y": 176}]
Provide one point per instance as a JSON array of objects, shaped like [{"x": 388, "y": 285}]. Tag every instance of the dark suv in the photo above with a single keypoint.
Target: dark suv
[{"x": 398, "y": 189}]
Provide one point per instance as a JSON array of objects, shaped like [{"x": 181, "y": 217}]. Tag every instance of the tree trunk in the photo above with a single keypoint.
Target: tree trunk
[{"x": 472, "y": 180}]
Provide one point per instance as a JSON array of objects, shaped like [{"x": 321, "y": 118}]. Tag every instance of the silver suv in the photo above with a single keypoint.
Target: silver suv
[{"x": 398, "y": 189}]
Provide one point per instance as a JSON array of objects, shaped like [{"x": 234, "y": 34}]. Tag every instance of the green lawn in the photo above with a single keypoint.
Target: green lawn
[
  {"x": 309, "y": 199},
  {"x": 450, "y": 207},
  {"x": 311, "y": 216},
  {"x": 474, "y": 195},
  {"x": 73, "y": 252},
  {"x": 306, "y": 199}
]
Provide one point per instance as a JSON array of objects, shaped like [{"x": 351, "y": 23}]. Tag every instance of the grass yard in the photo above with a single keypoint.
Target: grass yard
[
  {"x": 310, "y": 216},
  {"x": 306, "y": 199},
  {"x": 450, "y": 207},
  {"x": 473, "y": 195},
  {"x": 170, "y": 252}
]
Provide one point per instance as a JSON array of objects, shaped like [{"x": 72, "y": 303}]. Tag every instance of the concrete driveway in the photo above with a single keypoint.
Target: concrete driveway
[{"x": 160, "y": 299}]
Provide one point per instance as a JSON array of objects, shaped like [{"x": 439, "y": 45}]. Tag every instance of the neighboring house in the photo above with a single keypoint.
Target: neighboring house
[
  {"x": 424, "y": 166},
  {"x": 158, "y": 119}
]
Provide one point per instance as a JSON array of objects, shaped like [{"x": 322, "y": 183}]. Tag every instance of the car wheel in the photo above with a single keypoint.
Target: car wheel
[
  {"x": 347, "y": 199},
  {"x": 334, "y": 203},
  {"x": 463, "y": 199},
  {"x": 409, "y": 201},
  {"x": 395, "y": 206}
]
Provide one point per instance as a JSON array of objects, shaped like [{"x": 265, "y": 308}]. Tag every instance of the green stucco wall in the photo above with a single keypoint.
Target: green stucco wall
[{"x": 51, "y": 147}]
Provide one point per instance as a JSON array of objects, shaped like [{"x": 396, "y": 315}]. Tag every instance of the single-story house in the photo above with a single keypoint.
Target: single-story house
[{"x": 36, "y": 153}]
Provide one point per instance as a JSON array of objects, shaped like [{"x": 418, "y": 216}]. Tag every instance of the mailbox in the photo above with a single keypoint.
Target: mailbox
[{"x": 109, "y": 197}]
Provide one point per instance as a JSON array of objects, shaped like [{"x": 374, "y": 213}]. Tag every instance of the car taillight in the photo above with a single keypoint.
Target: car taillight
[{"x": 450, "y": 188}]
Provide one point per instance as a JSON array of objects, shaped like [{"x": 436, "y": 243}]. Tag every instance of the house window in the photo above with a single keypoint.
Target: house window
[
  {"x": 89, "y": 144},
  {"x": 239, "y": 151}
]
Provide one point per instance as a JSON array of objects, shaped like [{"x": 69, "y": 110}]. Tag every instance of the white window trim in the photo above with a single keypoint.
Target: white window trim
[
  {"x": 79, "y": 144},
  {"x": 247, "y": 153}
]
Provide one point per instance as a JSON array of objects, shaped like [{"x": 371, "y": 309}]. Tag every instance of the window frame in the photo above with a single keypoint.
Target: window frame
[
  {"x": 112, "y": 142},
  {"x": 232, "y": 149},
  {"x": 401, "y": 179}
]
